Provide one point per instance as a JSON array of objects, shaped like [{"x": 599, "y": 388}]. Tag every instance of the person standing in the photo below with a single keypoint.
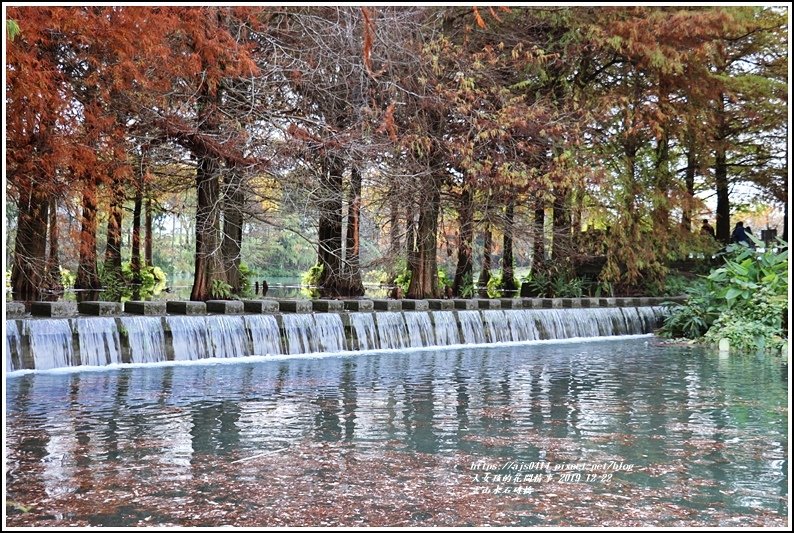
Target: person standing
[
  {"x": 739, "y": 234},
  {"x": 707, "y": 229}
]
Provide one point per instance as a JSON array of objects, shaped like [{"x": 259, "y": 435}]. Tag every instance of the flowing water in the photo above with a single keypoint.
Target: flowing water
[
  {"x": 366, "y": 333},
  {"x": 391, "y": 330},
  {"x": 619, "y": 432},
  {"x": 265, "y": 334},
  {"x": 420, "y": 329},
  {"x": 446, "y": 328},
  {"x": 146, "y": 338},
  {"x": 190, "y": 337},
  {"x": 104, "y": 341},
  {"x": 99, "y": 341},
  {"x": 228, "y": 335},
  {"x": 50, "y": 342}
]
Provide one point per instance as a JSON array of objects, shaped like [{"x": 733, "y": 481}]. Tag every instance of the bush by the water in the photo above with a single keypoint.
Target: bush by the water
[{"x": 744, "y": 301}]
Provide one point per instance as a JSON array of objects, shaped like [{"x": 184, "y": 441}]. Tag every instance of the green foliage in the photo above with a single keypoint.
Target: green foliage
[
  {"x": 311, "y": 279},
  {"x": 564, "y": 287},
  {"x": 114, "y": 286},
  {"x": 220, "y": 290},
  {"x": 746, "y": 272},
  {"x": 554, "y": 282},
  {"x": 12, "y": 29},
  {"x": 376, "y": 275},
  {"x": 68, "y": 278},
  {"x": 312, "y": 276},
  {"x": 245, "y": 280},
  {"x": 116, "y": 289},
  {"x": 403, "y": 280},
  {"x": 693, "y": 319},
  {"x": 743, "y": 301},
  {"x": 444, "y": 281},
  {"x": 494, "y": 286},
  {"x": 467, "y": 289},
  {"x": 673, "y": 284},
  {"x": 744, "y": 334}
]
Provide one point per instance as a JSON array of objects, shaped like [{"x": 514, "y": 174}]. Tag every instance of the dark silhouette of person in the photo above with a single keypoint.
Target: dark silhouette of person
[
  {"x": 749, "y": 232},
  {"x": 707, "y": 229},
  {"x": 740, "y": 235}
]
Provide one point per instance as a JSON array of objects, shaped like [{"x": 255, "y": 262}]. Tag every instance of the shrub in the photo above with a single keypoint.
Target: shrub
[
  {"x": 693, "y": 319},
  {"x": 467, "y": 289},
  {"x": 744, "y": 334},
  {"x": 245, "y": 280},
  {"x": 743, "y": 301},
  {"x": 494, "y": 286},
  {"x": 554, "y": 282},
  {"x": 220, "y": 290},
  {"x": 68, "y": 278},
  {"x": 443, "y": 280},
  {"x": 312, "y": 278},
  {"x": 403, "y": 280}
]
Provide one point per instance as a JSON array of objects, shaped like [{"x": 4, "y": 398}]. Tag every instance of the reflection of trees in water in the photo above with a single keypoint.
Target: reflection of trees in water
[
  {"x": 27, "y": 441},
  {"x": 714, "y": 422},
  {"x": 418, "y": 414},
  {"x": 349, "y": 396},
  {"x": 462, "y": 390}
]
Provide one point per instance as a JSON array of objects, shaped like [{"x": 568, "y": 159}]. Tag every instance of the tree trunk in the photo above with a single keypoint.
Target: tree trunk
[
  {"x": 411, "y": 240},
  {"x": 352, "y": 284},
  {"x": 689, "y": 181},
  {"x": 485, "y": 273},
  {"x": 113, "y": 248},
  {"x": 538, "y": 248},
  {"x": 508, "y": 280},
  {"x": 329, "y": 253},
  {"x": 147, "y": 243},
  {"x": 562, "y": 225},
  {"x": 394, "y": 235},
  {"x": 30, "y": 247},
  {"x": 233, "y": 230},
  {"x": 721, "y": 178},
  {"x": 208, "y": 260},
  {"x": 424, "y": 275},
  {"x": 723, "y": 200},
  {"x": 135, "y": 258},
  {"x": 577, "y": 206},
  {"x": 208, "y": 265},
  {"x": 53, "y": 273},
  {"x": 87, "y": 275},
  {"x": 464, "y": 270}
]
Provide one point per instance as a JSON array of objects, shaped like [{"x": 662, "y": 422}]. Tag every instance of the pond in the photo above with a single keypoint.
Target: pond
[{"x": 620, "y": 432}]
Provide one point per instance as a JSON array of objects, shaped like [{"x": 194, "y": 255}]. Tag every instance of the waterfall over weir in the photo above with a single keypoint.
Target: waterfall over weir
[
  {"x": 265, "y": 335},
  {"x": 50, "y": 343},
  {"x": 146, "y": 338},
  {"x": 99, "y": 341},
  {"x": 13, "y": 346},
  {"x": 45, "y": 344}
]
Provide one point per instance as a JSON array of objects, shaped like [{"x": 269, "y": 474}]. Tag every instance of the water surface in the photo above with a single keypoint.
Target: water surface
[{"x": 659, "y": 436}]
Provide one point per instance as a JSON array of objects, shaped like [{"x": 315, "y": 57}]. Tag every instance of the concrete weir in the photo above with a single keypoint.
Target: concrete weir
[{"x": 98, "y": 333}]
